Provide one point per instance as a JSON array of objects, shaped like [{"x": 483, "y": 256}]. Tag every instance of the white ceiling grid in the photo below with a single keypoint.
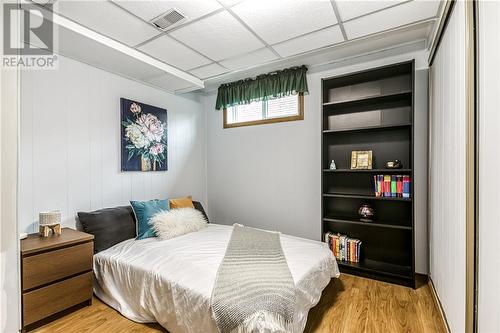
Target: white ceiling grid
[
  {"x": 222, "y": 36},
  {"x": 219, "y": 36},
  {"x": 169, "y": 50},
  {"x": 277, "y": 21}
]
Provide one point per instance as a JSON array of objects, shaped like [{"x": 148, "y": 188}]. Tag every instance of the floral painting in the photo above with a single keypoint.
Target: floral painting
[{"x": 143, "y": 137}]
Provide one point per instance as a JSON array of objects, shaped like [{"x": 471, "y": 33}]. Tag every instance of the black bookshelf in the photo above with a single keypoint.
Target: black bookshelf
[{"x": 370, "y": 110}]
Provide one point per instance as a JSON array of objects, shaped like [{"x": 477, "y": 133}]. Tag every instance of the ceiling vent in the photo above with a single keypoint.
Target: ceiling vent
[{"x": 168, "y": 20}]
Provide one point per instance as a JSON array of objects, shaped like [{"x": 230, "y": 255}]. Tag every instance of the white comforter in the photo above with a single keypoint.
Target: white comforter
[{"x": 171, "y": 281}]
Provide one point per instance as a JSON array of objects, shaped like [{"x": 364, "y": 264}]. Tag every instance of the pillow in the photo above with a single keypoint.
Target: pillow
[
  {"x": 197, "y": 205},
  {"x": 109, "y": 226},
  {"x": 144, "y": 211},
  {"x": 184, "y": 202},
  {"x": 176, "y": 222}
]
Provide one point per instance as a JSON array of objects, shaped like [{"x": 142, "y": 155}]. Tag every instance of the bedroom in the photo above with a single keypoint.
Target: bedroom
[{"x": 265, "y": 166}]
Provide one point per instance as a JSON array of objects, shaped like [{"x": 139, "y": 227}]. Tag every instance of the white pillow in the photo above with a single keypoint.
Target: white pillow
[{"x": 175, "y": 222}]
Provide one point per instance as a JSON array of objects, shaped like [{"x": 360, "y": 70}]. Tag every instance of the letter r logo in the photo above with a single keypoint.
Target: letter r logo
[{"x": 37, "y": 30}]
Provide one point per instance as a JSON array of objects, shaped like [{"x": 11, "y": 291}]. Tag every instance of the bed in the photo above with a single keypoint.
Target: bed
[{"x": 171, "y": 281}]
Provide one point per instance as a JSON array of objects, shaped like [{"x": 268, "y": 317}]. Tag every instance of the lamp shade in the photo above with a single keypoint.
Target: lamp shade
[{"x": 49, "y": 218}]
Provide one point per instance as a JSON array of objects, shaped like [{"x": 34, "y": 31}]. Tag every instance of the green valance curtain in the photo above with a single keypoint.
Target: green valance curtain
[{"x": 272, "y": 85}]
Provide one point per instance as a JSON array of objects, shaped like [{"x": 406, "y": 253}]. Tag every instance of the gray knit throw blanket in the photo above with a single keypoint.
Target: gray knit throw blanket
[{"x": 254, "y": 289}]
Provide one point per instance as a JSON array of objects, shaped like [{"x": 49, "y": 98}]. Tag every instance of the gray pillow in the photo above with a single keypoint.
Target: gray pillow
[
  {"x": 109, "y": 226},
  {"x": 199, "y": 207}
]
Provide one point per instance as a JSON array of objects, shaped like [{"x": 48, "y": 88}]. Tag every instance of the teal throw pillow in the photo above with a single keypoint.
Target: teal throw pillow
[{"x": 144, "y": 211}]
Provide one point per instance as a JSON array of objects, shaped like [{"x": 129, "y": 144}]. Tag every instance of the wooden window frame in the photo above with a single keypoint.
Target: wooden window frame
[{"x": 299, "y": 116}]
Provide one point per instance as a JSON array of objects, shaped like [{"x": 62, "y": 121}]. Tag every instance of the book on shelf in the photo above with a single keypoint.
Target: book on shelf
[
  {"x": 392, "y": 186},
  {"x": 399, "y": 186},
  {"x": 406, "y": 186},
  {"x": 343, "y": 247},
  {"x": 387, "y": 185}
]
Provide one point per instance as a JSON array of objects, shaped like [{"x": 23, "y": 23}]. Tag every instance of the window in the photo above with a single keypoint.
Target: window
[{"x": 286, "y": 108}]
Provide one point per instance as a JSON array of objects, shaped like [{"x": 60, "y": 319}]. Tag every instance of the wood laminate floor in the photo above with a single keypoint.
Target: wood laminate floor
[{"x": 349, "y": 304}]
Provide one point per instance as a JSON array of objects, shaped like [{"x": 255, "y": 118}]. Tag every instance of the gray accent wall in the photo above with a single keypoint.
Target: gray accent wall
[{"x": 268, "y": 176}]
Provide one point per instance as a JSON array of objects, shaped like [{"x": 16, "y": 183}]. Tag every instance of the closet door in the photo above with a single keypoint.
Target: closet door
[
  {"x": 447, "y": 167},
  {"x": 489, "y": 166}
]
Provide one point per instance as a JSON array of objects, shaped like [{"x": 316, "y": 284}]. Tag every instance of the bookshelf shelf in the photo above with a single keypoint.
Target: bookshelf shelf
[
  {"x": 368, "y": 170},
  {"x": 367, "y": 197},
  {"x": 380, "y": 267},
  {"x": 354, "y": 120},
  {"x": 375, "y": 223},
  {"x": 367, "y": 128},
  {"x": 386, "y": 100}
]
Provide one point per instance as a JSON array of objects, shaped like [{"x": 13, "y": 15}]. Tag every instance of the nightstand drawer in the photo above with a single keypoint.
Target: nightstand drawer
[
  {"x": 56, "y": 297},
  {"x": 50, "y": 266}
]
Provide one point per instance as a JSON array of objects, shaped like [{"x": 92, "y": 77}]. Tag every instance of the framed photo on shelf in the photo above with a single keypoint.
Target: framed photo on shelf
[{"x": 361, "y": 159}]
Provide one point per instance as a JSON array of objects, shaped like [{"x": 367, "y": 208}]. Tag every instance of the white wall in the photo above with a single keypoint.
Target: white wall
[
  {"x": 489, "y": 165},
  {"x": 10, "y": 298},
  {"x": 447, "y": 170},
  {"x": 70, "y": 143},
  {"x": 9, "y": 244},
  {"x": 268, "y": 176}
]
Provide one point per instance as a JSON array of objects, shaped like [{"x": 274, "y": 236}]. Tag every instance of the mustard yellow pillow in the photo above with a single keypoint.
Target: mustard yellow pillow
[{"x": 184, "y": 202}]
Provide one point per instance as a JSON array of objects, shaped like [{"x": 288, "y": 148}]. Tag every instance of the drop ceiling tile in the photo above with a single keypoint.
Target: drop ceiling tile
[
  {"x": 230, "y": 3},
  {"x": 168, "y": 82},
  {"x": 218, "y": 37},
  {"x": 174, "y": 53},
  {"x": 149, "y": 9},
  {"x": 255, "y": 58},
  {"x": 315, "y": 40},
  {"x": 208, "y": 71},
  {"x": 349, "y": 9},
  {"x": 107, "y": 19},
  {"x": 276, "y": 21},
  {"x": 42, "y": 2},
  {"x": 391, "y": 18}
]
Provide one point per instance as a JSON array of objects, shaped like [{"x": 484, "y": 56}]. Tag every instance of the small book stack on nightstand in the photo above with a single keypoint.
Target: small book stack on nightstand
[{"x": 56, "y": 275}]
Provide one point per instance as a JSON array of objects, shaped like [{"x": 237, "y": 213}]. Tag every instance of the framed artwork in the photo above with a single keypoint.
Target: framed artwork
[
  {"x": 361, "y": 159},
  {"x": 143, "y": 137}
]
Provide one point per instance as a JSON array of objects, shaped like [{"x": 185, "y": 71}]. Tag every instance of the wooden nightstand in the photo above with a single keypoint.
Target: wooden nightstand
[{"x": 56, "y": 275}]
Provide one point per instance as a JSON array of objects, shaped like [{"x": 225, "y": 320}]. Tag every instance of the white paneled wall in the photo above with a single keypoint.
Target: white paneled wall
[
  {"x": 489, "y": 165},
  {"x": 447, "y": 170},
  {"x": 10, "y": 300},
  {"x": 70, "y": 143}
]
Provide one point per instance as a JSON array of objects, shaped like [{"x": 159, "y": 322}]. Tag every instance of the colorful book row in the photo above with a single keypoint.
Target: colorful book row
[
  {"x": 343, "y": 247},
  {"x": 392, "y": 185}
]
